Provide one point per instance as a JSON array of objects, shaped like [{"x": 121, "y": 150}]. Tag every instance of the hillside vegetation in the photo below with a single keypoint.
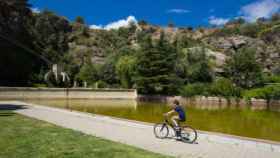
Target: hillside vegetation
[{"x": 153, "y": 59}]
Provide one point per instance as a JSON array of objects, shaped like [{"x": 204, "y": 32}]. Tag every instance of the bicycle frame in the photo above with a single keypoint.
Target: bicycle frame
[{"x": 168, "y": 123}]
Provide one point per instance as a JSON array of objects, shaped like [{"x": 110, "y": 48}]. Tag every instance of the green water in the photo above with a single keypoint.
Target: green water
[{"x": 241, "y": 122}]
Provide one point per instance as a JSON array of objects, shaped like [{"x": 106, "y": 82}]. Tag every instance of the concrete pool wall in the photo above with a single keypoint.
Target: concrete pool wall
[
  {"x": 65, "y": 93},
  {"x": 203, "y": 102}
]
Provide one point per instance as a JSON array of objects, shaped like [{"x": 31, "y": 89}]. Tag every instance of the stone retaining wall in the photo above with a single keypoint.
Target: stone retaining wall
[
  {"x": 65, "y": 93},
  {"x": 213, "y": 102}
]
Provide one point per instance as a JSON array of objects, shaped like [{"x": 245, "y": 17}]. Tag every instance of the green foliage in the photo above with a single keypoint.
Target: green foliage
[
  {"x": 30, "y": 138},
  {"x": 101, "y": 84},
  {"x": 17, "y": 63},
  {"x": 50, "y": 33},
  {"x": 268, "y": 93},
  {"x": 142, "y": 23},
  {"x": 251, "y": 29},
  {"x": 192, "y": 90},
  {"x": 238, "y": 21},
  {"x": 272, "y": 79},
  {"x": 80, "y": 20},
  {"x": 38, "y": 85},
  {"x": 155, "y": 67},
  {"x": 88, "y": 73},
  {"x": 126, "y": 57},
  {"x": 107, "y": 71},
  {"x": 183, "y": 41},
  {"x": 195, "y": 66},
  {"x": 125, "y": 68},
  {"x": 228, "y": 31},
  {"x": 223, "y": 87},
  {"x": 275, "y": 17},
  {"x": 243, "y": 69}
]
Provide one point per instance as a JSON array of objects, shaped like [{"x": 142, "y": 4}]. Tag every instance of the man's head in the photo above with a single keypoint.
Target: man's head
[{"x": 176, "y": 102}]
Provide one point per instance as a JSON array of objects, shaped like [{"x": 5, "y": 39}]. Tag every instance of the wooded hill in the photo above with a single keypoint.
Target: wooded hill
[{"x": 153, "y": 59}]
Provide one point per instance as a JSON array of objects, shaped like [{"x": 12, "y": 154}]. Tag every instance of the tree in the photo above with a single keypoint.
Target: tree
[
  {"x": 223, "y": 87},
  {"x": 107, "y": 72},
  {"x": 80, "y": 20},
  {"x": 125, "y": 68},
  {"x": 238, "y": 21},
  {"x": 243, "y": 69},
  {"x": 194, "y": 65},
  {"x": 251, "y": 29},
  {"x": 275, "y": 17},
  {"x": 268, "y": 93},
  {"x": 18, "y": 60},
  {"x": 171, "y": 24},
  {"x": 88, "y": 73},
  {"x": 142, "y": 23},
  {"x": 155, "y": 67},
  {"x": 192, "y": 90},
  {"x": 50, "y": 33}
]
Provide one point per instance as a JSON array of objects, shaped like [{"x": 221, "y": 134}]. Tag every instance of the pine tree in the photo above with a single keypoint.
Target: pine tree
[{"x": 155, "y": 67}]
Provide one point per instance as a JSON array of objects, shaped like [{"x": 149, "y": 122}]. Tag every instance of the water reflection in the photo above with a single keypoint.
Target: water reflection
[{"x": 227, "y": 119}]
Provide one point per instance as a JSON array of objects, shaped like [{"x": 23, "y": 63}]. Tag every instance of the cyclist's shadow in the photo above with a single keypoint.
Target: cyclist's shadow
[{"x": 172, "y": 137}]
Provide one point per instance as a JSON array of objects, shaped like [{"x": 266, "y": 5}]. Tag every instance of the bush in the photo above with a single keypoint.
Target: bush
[
  {"x": 267, "y": 93},
  {"x": 125, "y": 69},
  {"x": 38, "y": 85},
  {"x": 101, "y": 84},
  {"x": 243, "y": 69},
  {"x": 88, "y": 73},
  {"x": 225, "y": 88},
  {"x": 192, "y": 90},
  {"x": 272, "y": 79}
]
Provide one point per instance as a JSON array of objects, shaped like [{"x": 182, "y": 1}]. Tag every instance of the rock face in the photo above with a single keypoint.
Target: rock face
[
  {"x": 227, "y": 43},
  {"x": 221, "y": 46},
  {"x": 218, "y": 57},
  {"x": 267, "y": 53}
]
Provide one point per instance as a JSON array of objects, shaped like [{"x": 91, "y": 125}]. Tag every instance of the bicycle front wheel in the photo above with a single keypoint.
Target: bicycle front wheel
[
  {"x": 188, "y": 134},
  {"x": 161, "y": 130}
]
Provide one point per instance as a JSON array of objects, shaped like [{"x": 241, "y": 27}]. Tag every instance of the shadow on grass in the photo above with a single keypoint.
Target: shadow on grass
[
  {"x": 7, "y": 110},
  {"x": 6, "y": 114},
  {"x": 6, "y": 107}
]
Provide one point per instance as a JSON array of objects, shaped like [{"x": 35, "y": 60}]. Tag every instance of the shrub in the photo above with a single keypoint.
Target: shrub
[
  {"x": 267, "y": 93},
  {"x": 88, "y": 73},
  {"x": 101, "y": 84},
  {"x": 192, "y": 90},
  {"x": 243, "y": 69},
  {"x": 38, "y": 85},
  {"x": 225, "y": 88},
  {"x": 272, "y": 79},
  {"x": 125, "y": 69}
]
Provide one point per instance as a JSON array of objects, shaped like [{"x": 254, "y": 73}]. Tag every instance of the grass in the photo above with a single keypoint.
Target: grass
[{"x": 28, "y": 138}]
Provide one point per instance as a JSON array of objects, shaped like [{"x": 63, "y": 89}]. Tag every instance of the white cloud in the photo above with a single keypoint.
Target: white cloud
[
  {"x": 217, "y": 21},
  {"x": 261, "y": 8},
  {"x": 96, "y": 27},
  {"x": 178, "y": 11},
  {"x": 35, "y": 10},
  {"x": 117, "y": 24}
]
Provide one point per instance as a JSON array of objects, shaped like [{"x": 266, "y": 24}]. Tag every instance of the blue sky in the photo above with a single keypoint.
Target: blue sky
[{"x": 102, "y": 13}]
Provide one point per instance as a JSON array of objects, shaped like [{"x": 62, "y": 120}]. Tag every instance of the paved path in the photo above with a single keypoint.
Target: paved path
[{"x": 141, "y": 135}]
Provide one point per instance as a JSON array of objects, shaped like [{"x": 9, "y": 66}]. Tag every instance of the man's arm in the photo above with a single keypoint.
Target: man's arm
[{"x": 169, "y": 113}]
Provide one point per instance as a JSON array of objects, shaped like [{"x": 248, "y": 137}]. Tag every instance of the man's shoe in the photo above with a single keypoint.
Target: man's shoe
[{"x": 178, "y": 138}]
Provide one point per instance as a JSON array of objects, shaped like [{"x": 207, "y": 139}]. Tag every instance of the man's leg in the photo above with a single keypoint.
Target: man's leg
[{"x": 175, "y": 120}]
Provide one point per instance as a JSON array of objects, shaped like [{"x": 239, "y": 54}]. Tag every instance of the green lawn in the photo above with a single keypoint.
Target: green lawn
[{"x": 22, "y": 137}]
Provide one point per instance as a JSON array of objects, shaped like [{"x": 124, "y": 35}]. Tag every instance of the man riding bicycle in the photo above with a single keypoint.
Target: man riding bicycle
[{"x": 179, "y": 117}]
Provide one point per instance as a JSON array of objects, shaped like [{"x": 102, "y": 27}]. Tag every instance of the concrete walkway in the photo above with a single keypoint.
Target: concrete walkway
[{"x": 141, "y": 135}]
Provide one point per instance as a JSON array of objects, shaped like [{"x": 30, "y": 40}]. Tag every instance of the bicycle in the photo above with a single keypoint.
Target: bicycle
[{"x": 188, "y": 134}]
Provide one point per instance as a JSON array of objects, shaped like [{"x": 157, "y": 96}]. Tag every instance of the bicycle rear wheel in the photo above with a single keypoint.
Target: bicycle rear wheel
[
  {"x": 188, "y": 134},
  {"x": 161, "y": 130}
]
